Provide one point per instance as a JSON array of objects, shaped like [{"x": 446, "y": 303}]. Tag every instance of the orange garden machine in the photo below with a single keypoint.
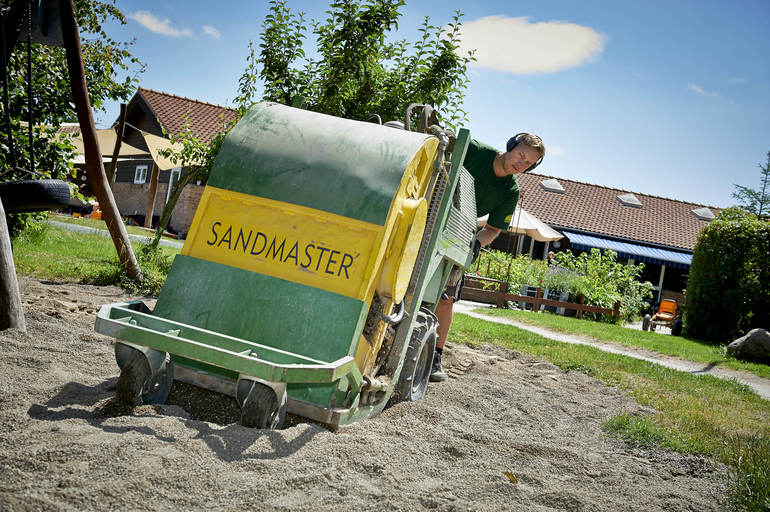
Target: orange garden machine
[{"x": 318, "y": 252}]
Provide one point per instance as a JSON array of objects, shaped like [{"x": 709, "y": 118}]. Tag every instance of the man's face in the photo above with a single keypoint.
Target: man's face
[{"x": 519, "y": 159}]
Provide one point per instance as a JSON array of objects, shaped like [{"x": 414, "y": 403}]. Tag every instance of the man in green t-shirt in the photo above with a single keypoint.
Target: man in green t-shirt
[{"x": 497, "y": 193}]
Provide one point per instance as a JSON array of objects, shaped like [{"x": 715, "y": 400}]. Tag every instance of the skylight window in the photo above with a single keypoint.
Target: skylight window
[
  {"x": 552, "y": 185},
  {"x": 630, "y": 200},
  {"x": 704, "y": 214}
]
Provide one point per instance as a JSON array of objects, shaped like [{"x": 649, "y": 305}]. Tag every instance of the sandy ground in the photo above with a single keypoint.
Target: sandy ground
[{"x": 506, "y": 432}]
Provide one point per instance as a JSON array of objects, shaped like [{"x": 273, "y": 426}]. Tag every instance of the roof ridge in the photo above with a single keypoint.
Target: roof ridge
[
  {"x": 184, "y": 98},
  {"x": 624, "y": 190}
]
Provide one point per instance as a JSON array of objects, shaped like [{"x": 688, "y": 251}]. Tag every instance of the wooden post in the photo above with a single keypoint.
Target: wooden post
[
  {"x": 11, "y": 312},
  {"x": 581, "y": 301},
  {"x": 500, "y": 297},
  {"x": 118, "y": 142},
  {"x": 94, "y": 165},
  {"x": 616, "y": 310},
  {"x": 150, "y": 210}
]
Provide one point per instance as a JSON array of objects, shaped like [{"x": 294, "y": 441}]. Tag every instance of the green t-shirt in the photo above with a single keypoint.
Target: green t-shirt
[{"x": 494, "y": 196}]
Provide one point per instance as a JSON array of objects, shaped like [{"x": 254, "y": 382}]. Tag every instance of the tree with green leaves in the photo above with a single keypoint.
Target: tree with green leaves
[
  {"x": 359, "y": 71},
  {"x": 111, "y": 74},
  {"x": 756, "y": 201}
]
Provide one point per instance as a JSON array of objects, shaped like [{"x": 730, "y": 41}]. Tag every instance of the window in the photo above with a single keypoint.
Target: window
[{"x": 140, "y": 176}]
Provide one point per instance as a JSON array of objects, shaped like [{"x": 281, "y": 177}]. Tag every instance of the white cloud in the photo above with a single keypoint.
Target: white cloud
[
  {"x": 515, "y": 45},
  {"x": 699, "y": 90},
  {"x": 151, "y": 22},
  {"x": 211, "y": 31}
]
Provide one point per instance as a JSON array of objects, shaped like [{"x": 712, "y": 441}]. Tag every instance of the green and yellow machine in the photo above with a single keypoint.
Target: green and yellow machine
[{"x": 318, "y": 252}]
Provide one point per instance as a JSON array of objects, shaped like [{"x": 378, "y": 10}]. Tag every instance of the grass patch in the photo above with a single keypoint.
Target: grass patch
[
  {"x": 635, "y": 430},
  {"x": 99, "y": 224},
  {"x": 695, "y": 413},
  {"x": 48, "y": 252},
  {"x": 750, "y": 473},
  {"x": 678, "y": 346}
]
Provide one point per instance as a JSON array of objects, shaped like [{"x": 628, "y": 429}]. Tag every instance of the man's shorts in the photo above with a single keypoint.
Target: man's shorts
[{"x": 454, "y": 292}]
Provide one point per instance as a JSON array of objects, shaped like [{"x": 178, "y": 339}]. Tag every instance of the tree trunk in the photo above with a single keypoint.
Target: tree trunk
[
  {"x": 11, "y": 312},
  {"x": 94, "y": 165},
  {"x": 165, "y": 217},
  {"x": 150, "y": 210},
  {"x": 118, "y": 143}
]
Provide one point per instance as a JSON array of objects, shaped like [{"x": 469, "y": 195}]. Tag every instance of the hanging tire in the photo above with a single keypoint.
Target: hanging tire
[
  {"x": 34, "y": 195},
  {"x": 646, "y": 323},
  {"x": 413, "y": 381}
]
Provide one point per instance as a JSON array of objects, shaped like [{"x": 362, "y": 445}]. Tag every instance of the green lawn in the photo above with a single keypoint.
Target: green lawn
[
  {"x": 678, "y": 346},
  {"x": 50, "y": 252}
]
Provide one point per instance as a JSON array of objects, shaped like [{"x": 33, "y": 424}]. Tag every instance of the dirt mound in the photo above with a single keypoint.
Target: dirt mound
[{"x": 506, "y": 432}]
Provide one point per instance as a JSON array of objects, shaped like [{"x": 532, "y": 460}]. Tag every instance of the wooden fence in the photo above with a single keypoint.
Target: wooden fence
[{"x": 493, "y": 291}]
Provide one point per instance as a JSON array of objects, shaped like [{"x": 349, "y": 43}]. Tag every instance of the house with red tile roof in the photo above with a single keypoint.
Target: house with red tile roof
[
  {"x": 155, "y": 112},
  {"x": 658, "y": 231}
]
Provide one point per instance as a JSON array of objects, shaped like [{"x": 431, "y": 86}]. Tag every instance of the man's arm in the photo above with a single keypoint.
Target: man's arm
[{"x": 487, "y": 235}]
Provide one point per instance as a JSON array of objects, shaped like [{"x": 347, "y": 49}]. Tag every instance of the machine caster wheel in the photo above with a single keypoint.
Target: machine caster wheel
[
  {"x": 137, "y": 385},
  {"x": 646, "y": 323},
  {"x": 123, "y": 354},
  {"x": 413, "y": 381},
  {"x": 262, "y": 408}
]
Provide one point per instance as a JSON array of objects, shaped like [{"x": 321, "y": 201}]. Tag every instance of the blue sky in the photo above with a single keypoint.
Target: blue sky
[{"x": 670, "y": 98}]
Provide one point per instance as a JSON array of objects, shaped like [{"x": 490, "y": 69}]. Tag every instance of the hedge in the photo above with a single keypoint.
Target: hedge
[{"x": 728, "y": 292}]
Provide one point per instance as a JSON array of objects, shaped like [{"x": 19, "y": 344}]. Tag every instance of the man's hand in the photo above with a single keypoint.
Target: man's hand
[
  {"x": 487, "y": 235},
  {"x": 438, "y": 132}
]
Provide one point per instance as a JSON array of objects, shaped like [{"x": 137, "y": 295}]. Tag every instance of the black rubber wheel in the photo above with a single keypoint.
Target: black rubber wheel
[
  {"x": 123, "y": 354},
  {"x": 156, "y": 390},
  {"x": 261, "y": 409},
  {"x": 34, "y": 195},
  {"x": 137, "y": 386},
  {"x": 676, "y": 328},
  {"x": 133, "y": 375},
  {"x": 413, "y": 381},
  {"x": 646, "y": 323}
]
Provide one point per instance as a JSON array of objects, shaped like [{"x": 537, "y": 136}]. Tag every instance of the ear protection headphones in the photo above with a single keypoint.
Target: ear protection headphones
[{"x": 513, "y": 142}]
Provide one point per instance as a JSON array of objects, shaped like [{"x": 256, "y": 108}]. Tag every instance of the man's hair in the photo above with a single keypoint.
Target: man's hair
[{"x": 532, "y": 141}]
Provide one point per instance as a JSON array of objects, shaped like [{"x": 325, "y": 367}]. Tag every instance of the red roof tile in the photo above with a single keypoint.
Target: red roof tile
[
  {"x": 205, "y": 118},
  {"x": 596, "y": 209}
]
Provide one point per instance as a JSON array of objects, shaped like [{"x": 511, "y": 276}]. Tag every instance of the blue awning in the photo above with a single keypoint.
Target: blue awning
[{"x": 628, "y": 250}]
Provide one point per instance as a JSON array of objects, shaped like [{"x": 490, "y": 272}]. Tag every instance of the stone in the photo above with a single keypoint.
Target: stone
[{"x": 755, "y": 346}]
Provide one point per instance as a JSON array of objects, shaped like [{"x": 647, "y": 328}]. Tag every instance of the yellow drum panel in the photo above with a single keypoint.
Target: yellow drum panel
[{"x": 291, "y": 242}]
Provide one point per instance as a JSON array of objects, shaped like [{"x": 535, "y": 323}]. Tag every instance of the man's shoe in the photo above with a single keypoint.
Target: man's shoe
[{"x": 437, "y": 373}]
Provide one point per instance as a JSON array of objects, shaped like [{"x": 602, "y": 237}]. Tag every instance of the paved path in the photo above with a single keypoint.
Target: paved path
[
  {"x": 103, "y": 232},
  {"x": 759, "y": 385}
]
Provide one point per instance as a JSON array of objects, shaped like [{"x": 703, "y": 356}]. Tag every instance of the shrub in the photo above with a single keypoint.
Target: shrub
[
  {"x": 728, "y": 292},
  {"x": 600, "y": 278}
]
